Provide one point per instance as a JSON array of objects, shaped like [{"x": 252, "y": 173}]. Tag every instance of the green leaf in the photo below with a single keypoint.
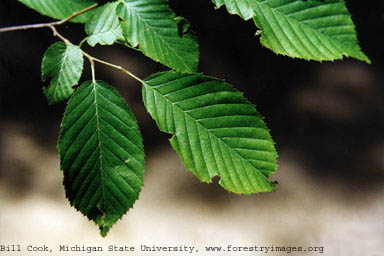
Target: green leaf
[
  {"x": 216, "y": 130},
  {"x": 60, "y": 9},
  {"x": 311, "y": 30},
  {"x": 104, "y": 27},
  {"x": 151, "y": 26},
  {"x": 101, "y": 154},
  {"x": 63, "y": 65},
  {"x": 240, "y": 7}
]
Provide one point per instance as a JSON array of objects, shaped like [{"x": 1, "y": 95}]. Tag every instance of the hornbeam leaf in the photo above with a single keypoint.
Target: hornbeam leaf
[
  {"x": 60, "y": 9},
  {"x": 152, "y": 27},
  {"x": 311, "y": 30},
  {"x": 217, "y": 132},
  {"x": 101, "y": 154},
  {"x": 104, "y": 27},
  {"x": 63, "y": 65}
]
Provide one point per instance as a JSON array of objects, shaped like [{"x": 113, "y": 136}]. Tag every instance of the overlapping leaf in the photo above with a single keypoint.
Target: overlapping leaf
[
  {"x": 151, "y": 26},
  {"x": 311, "y": 30},
  {"x": 104, "y": 27},
  {"x": 101, "y": 154},
  {"x": 216, "y": 130},
  {"x": 63, "y": 65},
  {"x": 240, "y": 7},
  {"x": 60, "y": 9}
]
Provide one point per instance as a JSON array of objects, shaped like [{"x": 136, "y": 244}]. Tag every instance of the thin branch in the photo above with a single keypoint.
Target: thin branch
[
  {"x": 25, "y": 27},
  {"x": 75, "y": 14},
  {"x": 50, "y": 24}
]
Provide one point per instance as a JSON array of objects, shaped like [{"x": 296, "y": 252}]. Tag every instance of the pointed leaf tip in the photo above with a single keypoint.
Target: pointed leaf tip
[{"x": 311, "y": 30}]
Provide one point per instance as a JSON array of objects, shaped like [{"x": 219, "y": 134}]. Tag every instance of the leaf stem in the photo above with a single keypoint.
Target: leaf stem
[
  {"x": 83, "y": 41},
  {"x": 92, "y": 69},
  {"x": 55, "y": 33},
  {"x": 113, "y": 66},
  {"x": 49, "y": 24}
]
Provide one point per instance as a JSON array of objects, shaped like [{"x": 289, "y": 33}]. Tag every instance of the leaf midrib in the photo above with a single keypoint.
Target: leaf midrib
[
  {"x": 99, "y": 146},
  {"x": 59, "y": 78}
]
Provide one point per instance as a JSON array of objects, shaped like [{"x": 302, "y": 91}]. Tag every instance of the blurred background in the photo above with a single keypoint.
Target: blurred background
[{"x": 326, "y": 119}]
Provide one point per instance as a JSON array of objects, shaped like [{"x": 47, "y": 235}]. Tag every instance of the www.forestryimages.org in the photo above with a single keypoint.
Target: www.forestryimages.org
[{"x": 157, "y": 248}]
